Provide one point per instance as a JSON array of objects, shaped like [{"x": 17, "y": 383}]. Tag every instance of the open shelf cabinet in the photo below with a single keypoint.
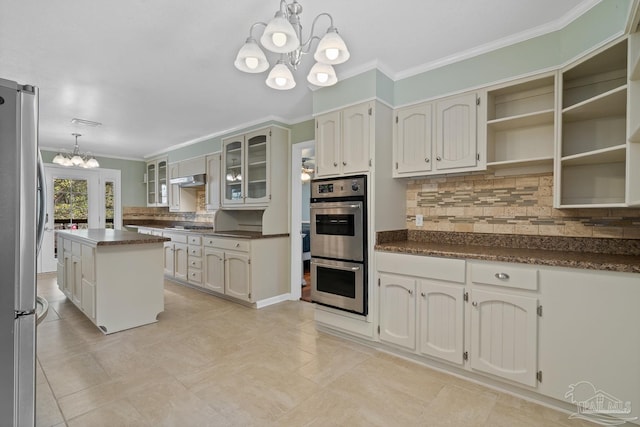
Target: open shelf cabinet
[{"x": 521, "y": 123}]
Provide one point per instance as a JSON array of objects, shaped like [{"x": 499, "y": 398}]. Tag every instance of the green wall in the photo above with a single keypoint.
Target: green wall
[{"x": 131, "y": 177}]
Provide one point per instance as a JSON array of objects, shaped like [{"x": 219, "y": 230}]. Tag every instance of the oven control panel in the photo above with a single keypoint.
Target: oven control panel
[{"x": 339, "y": 187}]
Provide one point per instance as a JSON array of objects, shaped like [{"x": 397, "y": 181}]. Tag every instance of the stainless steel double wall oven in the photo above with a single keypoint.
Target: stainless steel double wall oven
[{"x": 339, "y": 243}]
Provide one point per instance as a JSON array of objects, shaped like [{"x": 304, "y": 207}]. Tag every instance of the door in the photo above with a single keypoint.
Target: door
[
  {"x": 237, "y": 276},
  {"x": 414, "y": 139},
  {"x": 328, "y": 142},
  {"x": 152, "y": 184},
  {"x": 180, "y": 261},
  {"x": 441, "y": 308},
  {"x": 398, "y": 310},
  {"x": 162, "y": 193},
  {"x": 169, "y": 263},
  {"x": 257, "y": 167},
  {"x": 456, "y": 135},
  {"x": 504, "y": 335},
  {"x": 214, "y": 270},
  {"x": 174, "y": 189},
  {"x": 356, "y": 138},
  {"x": 337, "y": 230},
  {"x": 78, "y": 198},
  {"x": 232, "y": 158}
]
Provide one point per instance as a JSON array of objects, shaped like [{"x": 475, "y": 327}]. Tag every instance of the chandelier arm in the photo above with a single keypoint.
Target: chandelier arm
[
  {"x": 313, "y": 27},
  {"x": 306, "y": 47},
  {"x": 284, "y": 9},
  {"x": 264, "y": 24}
]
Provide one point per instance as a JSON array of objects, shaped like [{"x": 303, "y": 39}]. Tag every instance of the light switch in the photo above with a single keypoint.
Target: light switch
[{"x": 419, "y": 220}]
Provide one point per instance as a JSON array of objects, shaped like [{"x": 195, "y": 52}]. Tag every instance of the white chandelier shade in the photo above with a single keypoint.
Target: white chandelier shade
[
  {"x": 322, "y": 75},
  {"x": 251, "y": 58},
  {"x": 280, "y": 77},
  {"x": 283, "y": 35}
]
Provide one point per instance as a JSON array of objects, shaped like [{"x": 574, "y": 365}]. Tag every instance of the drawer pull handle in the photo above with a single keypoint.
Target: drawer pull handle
[
  {"x": 237, "y": 245},
  {"x": 502, "y": 276}
]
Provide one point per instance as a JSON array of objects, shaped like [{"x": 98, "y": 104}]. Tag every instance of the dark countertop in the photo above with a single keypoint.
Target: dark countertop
[
  {"x": 557, "y": 258},
  {"x": 242, "y": 234},
  {"x": 108, "y": 237}
]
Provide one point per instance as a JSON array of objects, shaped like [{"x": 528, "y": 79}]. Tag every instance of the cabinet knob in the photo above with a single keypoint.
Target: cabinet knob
[
  {"x": 335, "y": 164},
  {"x": 410, "y": 291},
  {"x": 438, "y": 158},
  {"x": 237, "y": 245},
  {"x": 423, "y": 294},
  {"x": 502, "y": 276},
  {"x": 475, "y": 303},
  {"x": 426, "y": 160},
  {"x": 344, "y": 163}
]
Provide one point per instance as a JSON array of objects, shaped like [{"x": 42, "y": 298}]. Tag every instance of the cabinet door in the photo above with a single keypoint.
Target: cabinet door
[
  {"x": 151, "y": 184},
  {"x": 414, "y": 140},
  {"x": 256, "y": 180},
  {"x": 162, "y": 189},
  {"x": 237, "y": 276},
  {"x": 169, "y": 268},
  {"x": 504, "y": 335},
  {"x": 174, "y": 190},
  {"x": 88, "y": 303},
  {"x": 328, "y": 142},
  {"x": 180, "y": 261},
  {"x": 214, "y": 270},
  {"x": 76, "y": 290},
  {"x": 67, "y": 284},
  {"x": 356, "y": 138},
  {"x": 212, "y": 190},
  {"x": 441, "y": 308},
  {"x": 232, "y": 166},
  {"x": 456, "y": 134},
  {"x": 398, "y": 310}
]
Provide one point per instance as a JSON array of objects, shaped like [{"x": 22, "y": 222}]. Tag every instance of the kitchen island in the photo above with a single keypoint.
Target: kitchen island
[{"x": 114, "y": 277}]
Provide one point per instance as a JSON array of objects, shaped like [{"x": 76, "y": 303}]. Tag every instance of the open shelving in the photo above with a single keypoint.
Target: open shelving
[{"x": 521, "y": 123}]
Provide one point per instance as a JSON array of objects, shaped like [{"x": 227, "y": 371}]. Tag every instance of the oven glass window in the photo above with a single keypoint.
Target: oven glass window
[
  {"x": 337, "y": 282},
  {"x": 335, "y": 225}
]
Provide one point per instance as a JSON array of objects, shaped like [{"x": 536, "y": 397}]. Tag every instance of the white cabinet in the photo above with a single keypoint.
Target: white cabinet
[
  {"x": 237, "y": 276},
  {"x": 176, "y": 256},
  {"x": 343, "y": 141},
  {"x": 194, "y": 259},
  {"x": 398, "y": 310},
  {"x": 184, "y": 199},
  {"x": 88, "y": 267},
  {"x": 520, "y": 123},
  {"x": 442, "y": 136},
  {"x": 212, "y": 189},
  {"x": 249, "y": 163},
  {"x": 157, "y": 188},
  {"x": 598, "y": 157},
  {"x": 214, "y": 270},
  {"x": 422, "y": 304},
  {"x": 441, "y": 314}
]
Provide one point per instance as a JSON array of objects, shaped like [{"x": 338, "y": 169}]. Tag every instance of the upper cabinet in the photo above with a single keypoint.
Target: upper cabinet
[
  {"x": 598, "y": 153},
  {"x": 249, "y": 161},
  {"x": 343, "y": 141},
  {"x": 157, "y": 188},
  {"x": 212, "y": 190},
  {"x": 442, "y": 136},
  {"x": 520, "y": 122},
  {"x": 184, "y": 199}
]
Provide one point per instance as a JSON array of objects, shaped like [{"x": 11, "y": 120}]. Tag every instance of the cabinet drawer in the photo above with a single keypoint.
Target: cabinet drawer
[
  {"x": 176, "y": 237},
  {"x": 194, "y": 276},
  {"x": 76, "y": 248},
  {"x": 66, "y": 245},
  {"x": 194, "y": 240},
  {"x": 452, "y": 270},
  {"x": 507, "y": 275},
  {"x": 229, "y": 244},
  {"x": 195, "y": 251},
  {"x": 195, "y": 263}
]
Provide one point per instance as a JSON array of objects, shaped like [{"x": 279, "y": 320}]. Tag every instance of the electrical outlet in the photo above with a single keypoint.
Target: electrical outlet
[{"x": 418, "y": 220}]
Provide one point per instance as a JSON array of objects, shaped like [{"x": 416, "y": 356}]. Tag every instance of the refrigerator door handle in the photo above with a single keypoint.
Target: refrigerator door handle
[
  {"x": 20, "y": 313},
  {"x": 42, "y": 201}
]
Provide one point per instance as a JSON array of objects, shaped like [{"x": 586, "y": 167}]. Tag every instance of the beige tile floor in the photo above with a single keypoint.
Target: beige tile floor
[{"x": 210, "y": 362}]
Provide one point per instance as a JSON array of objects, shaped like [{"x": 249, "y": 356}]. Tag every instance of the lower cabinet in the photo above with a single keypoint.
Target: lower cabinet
[
  {"x": 398, "y": 310},
  {"x": 214, "y": 270},
  {"x": 237, "y": 276},
  {"x": 175, "y": 256}
]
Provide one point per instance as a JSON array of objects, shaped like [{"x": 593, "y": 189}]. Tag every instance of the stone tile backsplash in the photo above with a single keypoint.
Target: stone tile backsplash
[
  {"x": 486, "y": 203},
  {"x": 137, "y": 214}
]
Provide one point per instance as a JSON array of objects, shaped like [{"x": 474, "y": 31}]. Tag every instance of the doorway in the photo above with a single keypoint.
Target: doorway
[
  {"x": 78, "y": 199},
  {"x": 302, "y": 161}
]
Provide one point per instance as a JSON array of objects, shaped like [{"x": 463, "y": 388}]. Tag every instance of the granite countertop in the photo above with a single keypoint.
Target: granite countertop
[
  {"x": 242, "y": 234},
  {"x": 563, "y": 256},
  {"x": 108, "y": 237}
]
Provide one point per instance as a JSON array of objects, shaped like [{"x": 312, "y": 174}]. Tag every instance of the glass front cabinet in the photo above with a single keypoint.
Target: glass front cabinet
[
  {"x": 246, "y": 165},
  {"x": 157, "y": 188}
]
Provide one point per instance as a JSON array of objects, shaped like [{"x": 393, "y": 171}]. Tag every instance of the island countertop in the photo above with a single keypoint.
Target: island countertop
[{"x": 108, "y": 237}]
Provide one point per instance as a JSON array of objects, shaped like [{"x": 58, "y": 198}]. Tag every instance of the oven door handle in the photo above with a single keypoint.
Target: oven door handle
[
  {"x": 336, "y": 267},
  {"x": 334, "y": 207}
]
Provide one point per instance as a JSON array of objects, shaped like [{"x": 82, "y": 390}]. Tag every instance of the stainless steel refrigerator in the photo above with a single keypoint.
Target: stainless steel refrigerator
[{"x": 21, "y": 226}]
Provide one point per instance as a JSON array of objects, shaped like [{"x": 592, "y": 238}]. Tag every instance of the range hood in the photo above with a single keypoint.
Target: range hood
[{"x": 189, "y": 181}]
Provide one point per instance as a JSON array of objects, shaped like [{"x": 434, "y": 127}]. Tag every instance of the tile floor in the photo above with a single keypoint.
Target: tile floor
[{"x": 210, "y": 362}]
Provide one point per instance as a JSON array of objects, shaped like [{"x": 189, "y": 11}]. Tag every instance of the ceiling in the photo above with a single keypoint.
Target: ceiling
[{"x": 159, "y": 73}]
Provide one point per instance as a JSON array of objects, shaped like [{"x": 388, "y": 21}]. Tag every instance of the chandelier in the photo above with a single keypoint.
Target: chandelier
[
  {"x": 306, "y": 172},
  {"x": 76, "y": 158},
  {"x": 283, "y": 35}
]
